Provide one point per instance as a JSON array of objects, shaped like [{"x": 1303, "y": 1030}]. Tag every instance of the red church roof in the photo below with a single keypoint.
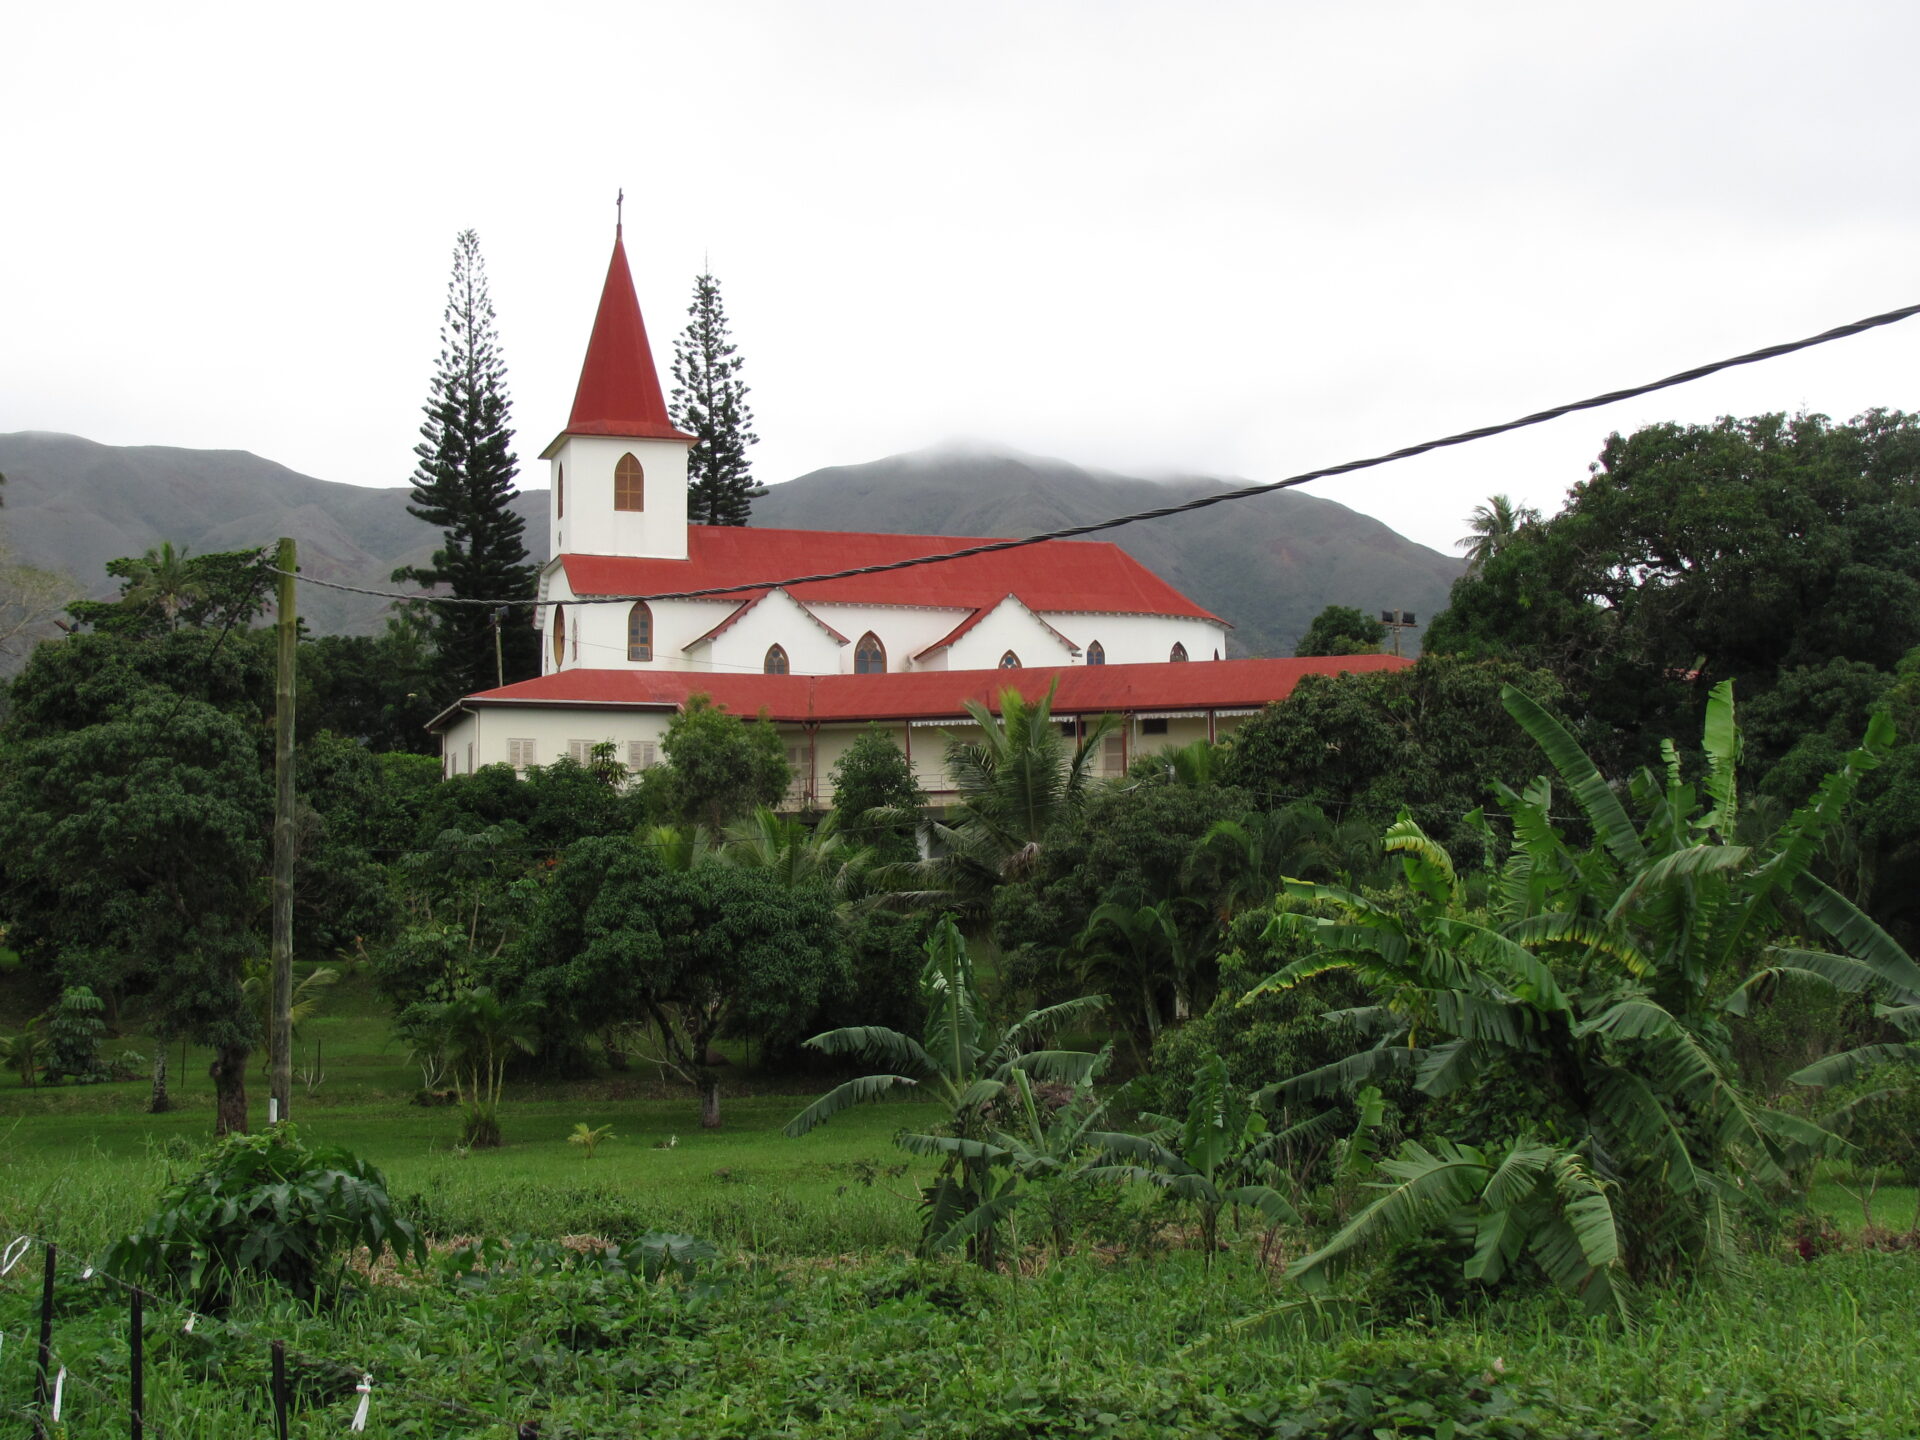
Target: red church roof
[
  {"x": 1087, "y": 576},
  {"x": 938, "y": 694},
  {"x": 619, "y": 391}
]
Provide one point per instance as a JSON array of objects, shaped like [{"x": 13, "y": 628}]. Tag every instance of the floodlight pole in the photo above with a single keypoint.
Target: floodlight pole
[{"x": 280, "y": 1023}]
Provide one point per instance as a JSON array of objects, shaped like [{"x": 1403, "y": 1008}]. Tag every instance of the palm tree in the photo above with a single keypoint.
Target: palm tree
[
  {"x": 164, "y": 579},
  {"x": 1243, "y": 862},
  {"x": 1147, "y": 954},
  {"x": 479, "y": 1033},
  {"x": 1018, "y": 780},
  {"x": 969, "y": 1070},
  {"x": 308, "y": 994},
  {"x": 1492, "y": 525},
  {"x": 793, "y": 851}
]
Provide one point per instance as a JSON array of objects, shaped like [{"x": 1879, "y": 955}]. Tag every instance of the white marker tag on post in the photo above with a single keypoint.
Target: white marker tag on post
[
  {"x": 365, "y": 1387},
  {"x": 10, "y": 1257},
  {"x": 59, "y": 1392}
]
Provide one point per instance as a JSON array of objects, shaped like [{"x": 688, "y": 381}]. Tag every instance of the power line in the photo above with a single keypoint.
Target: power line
[{"x": 1406, "y": 452}]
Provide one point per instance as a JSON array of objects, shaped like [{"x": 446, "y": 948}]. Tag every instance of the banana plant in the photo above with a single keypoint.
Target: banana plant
[
  {"x": 970, "y": 1068},
  {"x": 1600, "y": 978},
  {"x": 1218, "y": 1155}
]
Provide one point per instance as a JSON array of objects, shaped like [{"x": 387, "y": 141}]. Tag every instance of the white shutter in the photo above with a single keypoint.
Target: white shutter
[
  {"x": 641, "y": 755},
  {"x": 1113, "y": 755},
  {"x": 580, "y": 751},
  {"x": 521, "y": 754}
]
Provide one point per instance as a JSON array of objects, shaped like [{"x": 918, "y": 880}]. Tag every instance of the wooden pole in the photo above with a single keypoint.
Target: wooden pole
[
  {"x": 42, "y": 1390},
  {"x": 136, "y": 1365},
  {"x": 280, "y": 1037}
]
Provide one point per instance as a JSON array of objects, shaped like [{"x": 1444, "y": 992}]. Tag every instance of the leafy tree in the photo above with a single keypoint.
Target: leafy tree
[
  {"x": 1342, "y": 630},
  {"x": 695, "y": 953},
  {"x": 1695, "y": 553},
  {"x": 709, "y": 402},
  {"x": 876, "y": 798},
  {"x": 1491, "y": 527},
  {"x": 718, "y": 767},
  {"x": 462, "y": 484},
  {"x": 167, "y": 589},
  {"x": 969, "y": 1069},
  {"x": 1598, "y": 987},
  {"x": 1431, "y": 739},
  {"x": 380, "y": 689},
  {"x": 134, "y": 844}
]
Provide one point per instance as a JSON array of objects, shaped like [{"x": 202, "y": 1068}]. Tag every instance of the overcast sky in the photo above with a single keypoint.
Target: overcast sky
[{"x": 1228, "y": 239}]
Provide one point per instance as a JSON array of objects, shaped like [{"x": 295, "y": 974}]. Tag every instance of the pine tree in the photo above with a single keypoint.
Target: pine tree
[
  {"x": 463, "y": 483},
  {"x": 709, "y": 402}
]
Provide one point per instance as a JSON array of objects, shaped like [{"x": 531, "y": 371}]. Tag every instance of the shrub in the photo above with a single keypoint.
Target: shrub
[{"x": 266, "y": 1207}]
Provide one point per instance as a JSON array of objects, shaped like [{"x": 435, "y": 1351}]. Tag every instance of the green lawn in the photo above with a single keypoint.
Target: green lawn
[{"x": 816, "y": 1321}]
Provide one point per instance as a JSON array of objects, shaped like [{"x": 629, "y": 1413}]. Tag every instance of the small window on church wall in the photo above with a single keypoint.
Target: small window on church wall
[
  {"x": 559, "y": 492},
  {"x": 1179, "y": 652},
  {"x": 1096, "y": 654},
  {"x": 776, "y": 661},
  {"x": 559, "y": 636},
  {"x": 640, "y": 632},
  {"x": 870, "y": 656},
  {"x": 1009, "y": 661},
  {"x": 629, "y": 485}
]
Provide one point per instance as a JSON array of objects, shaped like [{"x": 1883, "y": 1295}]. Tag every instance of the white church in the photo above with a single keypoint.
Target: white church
[{"x": 626, "y": 643}]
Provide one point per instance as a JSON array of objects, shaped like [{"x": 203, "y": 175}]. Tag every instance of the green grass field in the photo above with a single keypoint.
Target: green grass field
[{"x": 814, "y": 1320}]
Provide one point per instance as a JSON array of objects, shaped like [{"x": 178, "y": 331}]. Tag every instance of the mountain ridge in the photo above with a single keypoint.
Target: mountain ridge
[{"x": 1267, "y": 564}]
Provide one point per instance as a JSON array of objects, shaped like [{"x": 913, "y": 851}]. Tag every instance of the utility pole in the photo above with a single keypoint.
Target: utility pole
[
  {"x": 280, "y": 1024},
  {"x": 1396, "y": 621}
]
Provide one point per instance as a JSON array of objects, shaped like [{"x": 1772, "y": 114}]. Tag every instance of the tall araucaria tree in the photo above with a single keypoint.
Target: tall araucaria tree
[
  {"x": 463, "y": 483},
  {"x": 709, "y": 402}
]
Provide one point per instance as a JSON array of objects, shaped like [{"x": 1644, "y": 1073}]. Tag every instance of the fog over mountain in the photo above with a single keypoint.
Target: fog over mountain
[{"x": 1267, "y": 564}]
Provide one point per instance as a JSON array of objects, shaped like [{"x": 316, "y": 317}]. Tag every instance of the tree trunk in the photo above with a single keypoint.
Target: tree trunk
[
  {"x": 159, "y": 1102},
  {"x": 229, "y": 1072},
  {"x": 709, "y": 1102}
]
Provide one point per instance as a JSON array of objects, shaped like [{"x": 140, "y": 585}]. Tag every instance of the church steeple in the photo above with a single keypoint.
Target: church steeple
[
  {"x": 620, "y": 467},
  {"x": 619, "y": 391}
]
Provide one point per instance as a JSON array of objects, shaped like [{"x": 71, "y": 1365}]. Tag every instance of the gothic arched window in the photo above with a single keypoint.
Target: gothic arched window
[
  {"x": 639, "y": 632},
  {"x": 776, "y": 661},
  {"x": 1179, "y": 652},
  {"x": 1096, "y": 654},
  {"x": 870, "y": 656},
  {"x": 629, "y": 485},
  {"x": 1009, "y": 661},
  {"x": 559, "y": 492},
  {"x": 559, "y": 628}
]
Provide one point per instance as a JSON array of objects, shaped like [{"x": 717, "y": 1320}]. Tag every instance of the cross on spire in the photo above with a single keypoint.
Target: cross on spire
[{"x": 619, "y": 202}]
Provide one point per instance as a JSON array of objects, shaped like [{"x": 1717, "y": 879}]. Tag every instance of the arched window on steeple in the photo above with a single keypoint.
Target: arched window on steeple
[
  {"x": 629, "y": 484},
  {"x": 1009, "y": 661},
  {"x": 776, "y": 661},
  {"x": 870, "y": 656},
  {"x": 559, "y": 628},
  {"x": 559, "y": 492},
  {"x": 1096, "y": 654},
  {"x": 639, "y": 632},
  {"x": 1179, "y": 652}
]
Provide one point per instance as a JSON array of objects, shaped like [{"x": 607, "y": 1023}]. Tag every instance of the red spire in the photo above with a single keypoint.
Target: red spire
[{"x": 619, "y": 390}]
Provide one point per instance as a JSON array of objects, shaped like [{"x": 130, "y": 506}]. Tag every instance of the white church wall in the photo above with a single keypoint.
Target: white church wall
[
  {"x": 1139, "y": 639},
  {"x": 1010, "y": 626},
  {"x": 780, "y": 620},
  {"x": 905, "y": 630}
]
